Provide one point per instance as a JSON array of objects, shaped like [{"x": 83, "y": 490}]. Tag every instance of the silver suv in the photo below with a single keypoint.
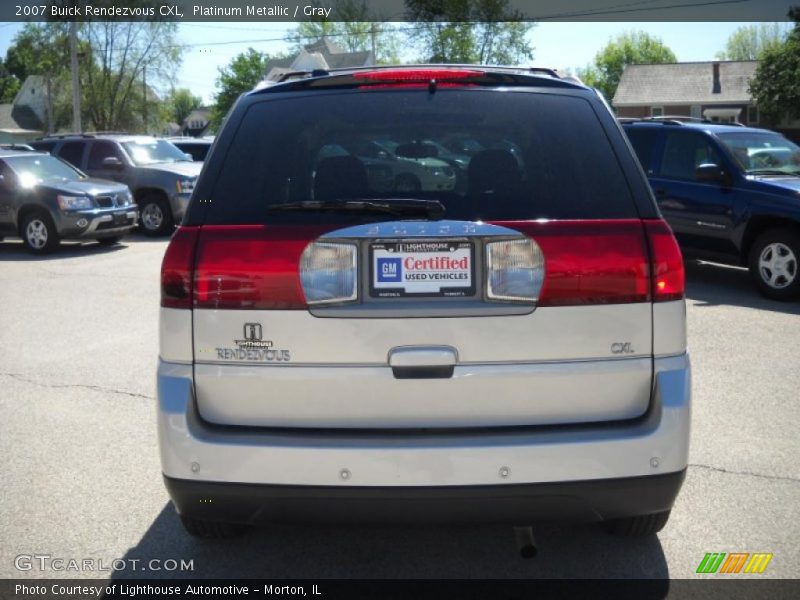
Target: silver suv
[
  {"x": 160, "y": 176},
  {"x": 509, "y": 350}
]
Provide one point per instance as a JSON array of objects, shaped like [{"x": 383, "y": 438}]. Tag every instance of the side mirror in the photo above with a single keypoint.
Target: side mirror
[
  {"x": 112, "y": 162},
  {"x": 188, "y": 156},
  {"x": 711, "y": 173}
]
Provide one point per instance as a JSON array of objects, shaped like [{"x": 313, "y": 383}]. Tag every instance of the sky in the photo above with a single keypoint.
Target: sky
[{"x": 562, "y": 45}]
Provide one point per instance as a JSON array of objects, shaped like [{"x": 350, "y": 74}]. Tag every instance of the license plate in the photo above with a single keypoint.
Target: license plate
[
  {"x": 120, "y": 219},
  {"x": 430, "y": 268}
]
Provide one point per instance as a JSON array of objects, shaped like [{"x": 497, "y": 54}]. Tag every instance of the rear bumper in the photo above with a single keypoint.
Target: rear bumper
[
  {"x": 586, "y": 501},
  {"x": 196, "y": 451}
]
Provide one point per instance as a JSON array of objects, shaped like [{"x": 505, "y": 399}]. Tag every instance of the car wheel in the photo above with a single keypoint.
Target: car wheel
[
  {"x": 109, "y": 241},
  {"x": 406, "y": 182},
  {"x": 211, "y": 530},
  {"x": 39, "y": 233},
  {"x": 638, "y": 526},
  {"x": 774, "y": 263},
  {"x": 155, "y": 216}
]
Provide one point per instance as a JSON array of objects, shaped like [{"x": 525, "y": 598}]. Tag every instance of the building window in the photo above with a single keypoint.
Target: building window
[
  {"x": 752, "y": 114},
  {"x": 696, "y": 111},
  {"x": 656, "y": 111}
]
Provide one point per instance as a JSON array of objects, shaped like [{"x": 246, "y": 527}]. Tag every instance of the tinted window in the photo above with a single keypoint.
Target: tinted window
[
  {"x": 100, "y": 151},
  {"x": 643, "y": 141},
  {"x": 684, "y": 152},
  {"x": 484, "y": 155},
  {"x": 72, "y": 152},
  {"x": 198, "y": 151},
  {"x": 44, "y": 146}
]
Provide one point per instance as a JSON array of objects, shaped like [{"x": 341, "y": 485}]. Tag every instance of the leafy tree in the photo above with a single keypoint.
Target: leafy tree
[
  {"x": 629, "y": 48},
  {"x": 469, "y": 31},
  {"x": 750, "y": 41},
  {"x": 241, "y": 75},
  {"x": 125, "y": 62},
  {"x": 776, "y": 84},
  {"x": 9, "y": 85},
  {"x": 180, "y": 103},
  {"x": 355, "y": 27}
]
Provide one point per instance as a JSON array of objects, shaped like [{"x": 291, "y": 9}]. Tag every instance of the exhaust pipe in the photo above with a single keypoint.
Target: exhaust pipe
[{"x": 526, "y": 543}]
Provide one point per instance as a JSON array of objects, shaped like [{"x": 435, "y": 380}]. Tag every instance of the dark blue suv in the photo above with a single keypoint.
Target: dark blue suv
[{"x": 731, "y": 194}]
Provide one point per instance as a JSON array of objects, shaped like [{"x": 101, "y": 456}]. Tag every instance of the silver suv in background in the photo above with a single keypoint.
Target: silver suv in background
[
  {"x": 160, "y": 176},
  {"x": 509, "y": 350}
]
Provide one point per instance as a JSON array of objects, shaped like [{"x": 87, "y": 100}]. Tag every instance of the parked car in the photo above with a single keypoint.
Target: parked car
[
  {"x": 16, "y": 147},
  {"x": 160, "y": 176},
  {"x": 196, "y": 147},
  {"x": 44, "y": 200},
  {"x": 509, "y": 352},
  {"x": 730, "y": 193}
]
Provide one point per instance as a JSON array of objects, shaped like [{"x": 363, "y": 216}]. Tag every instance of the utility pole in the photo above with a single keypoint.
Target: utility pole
[
  {"x": 144, "y": 95},
  {"x": 372, "y": 35},
  {"x": 76, "y": 91}
]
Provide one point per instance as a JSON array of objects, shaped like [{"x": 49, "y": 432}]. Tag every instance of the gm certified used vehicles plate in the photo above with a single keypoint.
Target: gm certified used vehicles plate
[{"x": 335, "y": 345}]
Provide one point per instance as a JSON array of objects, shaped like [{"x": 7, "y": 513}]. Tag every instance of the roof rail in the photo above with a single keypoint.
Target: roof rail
[
  {"x": 344, "y": 70},
  {"x": 675, "y": 120},
  {"x": 60, "y": 136}
]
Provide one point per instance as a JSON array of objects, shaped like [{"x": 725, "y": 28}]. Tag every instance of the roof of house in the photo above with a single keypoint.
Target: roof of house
[
  {"x": 15, "y": 117},
  {"x": 684, "y": 83},
  {"x": 323, "y": 53}
]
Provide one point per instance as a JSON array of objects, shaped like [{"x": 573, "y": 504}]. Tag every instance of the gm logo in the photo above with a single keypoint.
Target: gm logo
[{"x": 390, "y": 270}]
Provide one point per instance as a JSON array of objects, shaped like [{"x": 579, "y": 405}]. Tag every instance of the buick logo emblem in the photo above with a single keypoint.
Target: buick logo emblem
[{"x": 253, "y": 337}]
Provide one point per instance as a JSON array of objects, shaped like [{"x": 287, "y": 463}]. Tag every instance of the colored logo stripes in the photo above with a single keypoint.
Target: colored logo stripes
[{"x": 734, "y": 562}]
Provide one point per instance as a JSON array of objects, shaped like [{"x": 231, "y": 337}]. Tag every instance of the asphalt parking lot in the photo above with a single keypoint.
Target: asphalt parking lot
[{"x": 81, "y": 478}]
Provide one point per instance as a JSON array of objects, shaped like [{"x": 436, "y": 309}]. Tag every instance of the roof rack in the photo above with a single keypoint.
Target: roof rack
[
  {"x": 342, "y": 71},
  {"x": 674, "y": 120}
]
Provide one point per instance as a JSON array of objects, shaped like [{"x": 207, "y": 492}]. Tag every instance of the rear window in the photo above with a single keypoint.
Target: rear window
[{"x": 484, "y": 155}]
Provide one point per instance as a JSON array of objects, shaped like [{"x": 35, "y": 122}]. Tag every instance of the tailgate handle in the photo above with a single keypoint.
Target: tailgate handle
[{"x": 423, "y": 362}]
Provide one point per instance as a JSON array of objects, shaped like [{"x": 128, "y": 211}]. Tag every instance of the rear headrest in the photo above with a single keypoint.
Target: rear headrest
[
  {"x": 340, "y": 177},
  {"x": 494, "y": 171}
]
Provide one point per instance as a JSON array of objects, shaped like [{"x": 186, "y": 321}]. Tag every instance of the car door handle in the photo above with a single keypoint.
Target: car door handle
[
  {"x": 660, "y": 192},
  {"x": 423, "y": 362}
]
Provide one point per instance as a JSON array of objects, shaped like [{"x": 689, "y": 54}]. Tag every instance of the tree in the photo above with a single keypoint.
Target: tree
[
  {"x": 125, "y": 61},
  {"x": 775, "y": 87},
  {"x": 469, "y": 31},
  {"x": 355, "y": 27},
  {"x": 750, "y": 41},
  {"x": 9, "y": 85},
  {"x": 180, "y": 103},
  {"x": 241, "y": 75},
  {"x": 629, "y": 48}
]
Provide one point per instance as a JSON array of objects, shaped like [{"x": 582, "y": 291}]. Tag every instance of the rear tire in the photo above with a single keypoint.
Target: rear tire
[
  {"x": 638, "y": 526},
  {"x": 774, "y": 263},
  {"x": 155, "y": 216},
  {"x": 39, "y": 233},
  {"x": 211, "y": 530}
]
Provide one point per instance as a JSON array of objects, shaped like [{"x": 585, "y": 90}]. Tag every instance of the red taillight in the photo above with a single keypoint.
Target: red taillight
[
  {"x": 591, "y": 262},
  {"x": 420, "y": 76},
  {"x": 667, "y": 261},
  {"x": 251, "y": 266},
  {"x": 176, "y": 269}
]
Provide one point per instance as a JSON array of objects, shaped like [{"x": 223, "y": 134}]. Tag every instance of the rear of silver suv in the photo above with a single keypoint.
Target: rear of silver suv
[{"x": 339, "y": 344}]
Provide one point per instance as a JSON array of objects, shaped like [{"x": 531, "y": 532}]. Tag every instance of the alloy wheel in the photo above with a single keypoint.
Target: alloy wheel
[
  {"x": 36, "y": 234},
  {"x": 777, "y": 265},
  {"x": 152, "y": 217}
]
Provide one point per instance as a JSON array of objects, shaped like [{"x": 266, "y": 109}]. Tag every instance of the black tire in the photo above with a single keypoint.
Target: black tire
[
  {"x": 638, "y": 526},
  {"x": 406, "y": 182},
  {"x": 211, "y": 530},
  {"x": 781, "y": 282},
  {"x": 155, "y": 216},
  {"x": 109, "y": 241},
  {"x": 38, "y": 232}
]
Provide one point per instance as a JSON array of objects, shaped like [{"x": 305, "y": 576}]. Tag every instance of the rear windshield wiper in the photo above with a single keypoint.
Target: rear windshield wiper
[{"x": 402, "y": 207}]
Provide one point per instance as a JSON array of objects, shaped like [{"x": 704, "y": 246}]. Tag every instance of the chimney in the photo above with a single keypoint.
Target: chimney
[{"x": 716, "y": 88}]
